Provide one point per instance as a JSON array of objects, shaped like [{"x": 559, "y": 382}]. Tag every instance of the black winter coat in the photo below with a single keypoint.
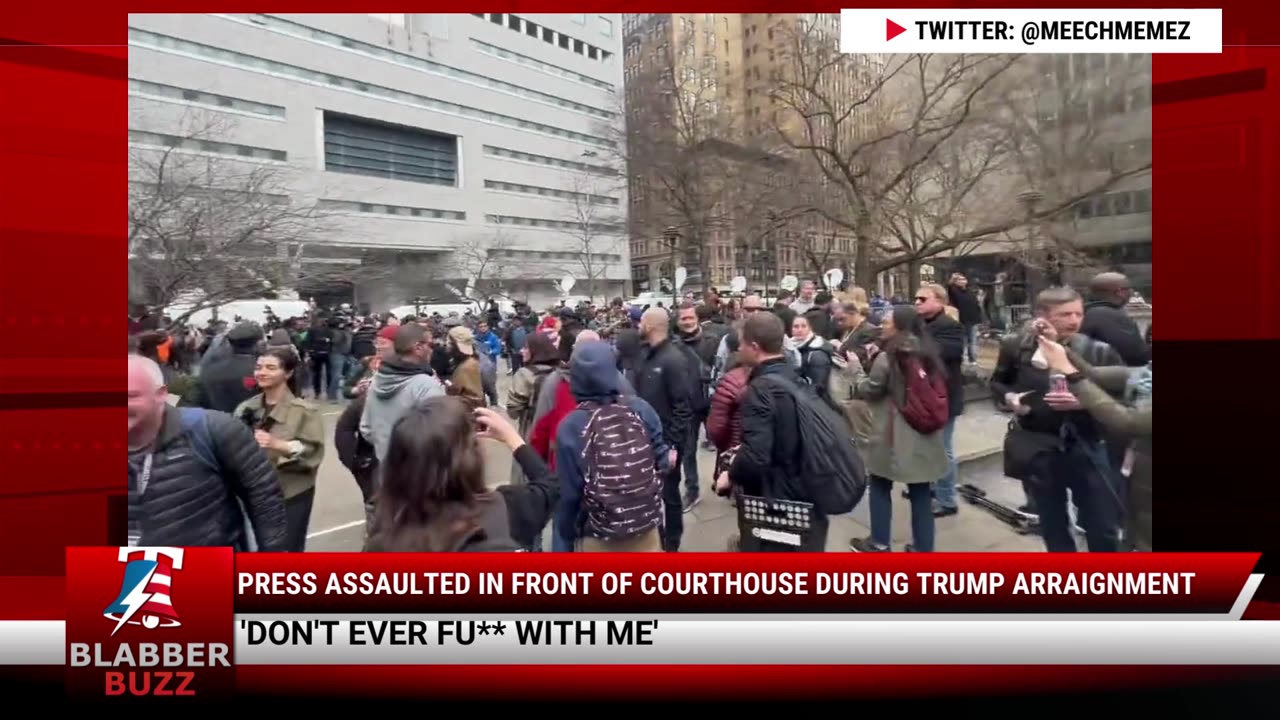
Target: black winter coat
[
  {"x": 187, "y": 504},
  {"x": 1112, "y": 325},
  {"x": 225, "y": 382},
  {"x": 768, "y": 461},
  {"x": 949, "y": 336},
  {"x": 662, "y": 377}
]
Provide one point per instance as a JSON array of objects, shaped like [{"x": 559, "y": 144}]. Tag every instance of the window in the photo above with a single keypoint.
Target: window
[
  {"x": 580, "y": 19},
  {"x": 207, "y": 146},
  {"x": 171, "y": 93},
  {"x": 530, "y": 29},
  {"x": 513, "y": 23},
  {"x": 564, "y": 41},
  {"x": 549, "y": 192},
  {"x": 1142, "y": 201},
  {"x": 364, "y": 147},
  {"x": 606, "y": 26},
  {"x": 495, "y": 18},
  {"x": 579, "y": 47},
  {"x": 548, "y": 35},
  {"x": 396, "y": 210},
  {"x": 521, "y": 156}
]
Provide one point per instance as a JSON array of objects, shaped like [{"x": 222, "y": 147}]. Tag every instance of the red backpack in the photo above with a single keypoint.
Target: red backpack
[{"x": 925, "y": 407}]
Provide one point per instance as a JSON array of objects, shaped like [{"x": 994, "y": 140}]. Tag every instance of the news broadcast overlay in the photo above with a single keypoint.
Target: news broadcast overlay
[
  {"x": 152, "y": 621},
  {"x": 1140, "y": 30}
]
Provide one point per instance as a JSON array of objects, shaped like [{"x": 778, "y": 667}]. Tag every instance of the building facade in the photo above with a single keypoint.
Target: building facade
[{"x": 461, "y": 149}]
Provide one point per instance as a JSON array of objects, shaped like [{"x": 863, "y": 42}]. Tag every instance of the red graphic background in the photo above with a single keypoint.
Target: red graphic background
[
  {"x": 62, "y": 274},
  {"x": 202, "y": 594}
]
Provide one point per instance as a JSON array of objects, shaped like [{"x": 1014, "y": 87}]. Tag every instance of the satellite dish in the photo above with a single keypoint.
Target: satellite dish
[
  {"x": 834, "y": 277},
  {"x": 681, "y": 275},
  {"x": 738, "y": 284},
  {"x": 789, "y": 283},
  {"x": 453, "y": 289},
  {"x": 566, "y": 284}
]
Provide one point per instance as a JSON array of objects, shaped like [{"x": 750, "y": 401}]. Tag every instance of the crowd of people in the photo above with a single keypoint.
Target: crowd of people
[{"x": 809, "y": 400}]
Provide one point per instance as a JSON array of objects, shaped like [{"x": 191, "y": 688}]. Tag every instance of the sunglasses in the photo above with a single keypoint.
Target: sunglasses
[{"x": 922, "y": 298}]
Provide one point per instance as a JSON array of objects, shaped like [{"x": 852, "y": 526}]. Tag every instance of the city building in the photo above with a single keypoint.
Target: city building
[
  {"x": 707, "y": 169},
  {"x": 441, "y": 152},
  {"x": 1093, "y": 118}
]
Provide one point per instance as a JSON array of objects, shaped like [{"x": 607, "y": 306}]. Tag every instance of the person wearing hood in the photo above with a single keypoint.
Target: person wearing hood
[
  {"x": 227, "y": 380},
  {"x": 593, "y": 378},
  {"x": 465, "y": 377},
  {"x": 404, "y": 381}
]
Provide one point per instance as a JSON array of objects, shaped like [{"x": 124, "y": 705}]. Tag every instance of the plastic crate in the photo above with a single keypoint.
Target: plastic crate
[{"x": 765, "y": 523}]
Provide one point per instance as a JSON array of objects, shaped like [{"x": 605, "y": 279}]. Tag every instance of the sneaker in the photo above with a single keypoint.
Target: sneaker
[
  {"x": 690, "y": 501},
  {"x": 908, "y": 548},
  {"x": 941, "y": 511},
  {"x": 867, "y": 545}
]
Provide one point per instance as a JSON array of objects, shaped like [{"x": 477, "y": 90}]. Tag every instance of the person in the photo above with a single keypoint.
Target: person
[
  {"x": 855, "y": 346},
  {"x": 769, "y": 459},
  {"x": 807, "y": 299},
  {"x": 695, "y": 344},
  {"x": 1052, "y": 450},
  {"x": 1105, "y": 318},
  {"x": 488, "y": 348},
  {"x": 539, "y": 360},
  {"x": 291, "y": 432},
  {"x": 898, "y": 452},
  {"x": 598, "y": 460},
  {"x": 948, "y": 336},
  {"x": 319, "y": 347},
  {"x": 433, "y": 496},
  {"x": 465, "y": 379},
  {"x": 340, "y": 358},
  {"x": 1131, "y": 418},
  {"x": 662, "y": 378},
  {"x": 193, "y": 483},
  {"x": 815, "y": 355},
  {"x": 404, "y": 380},
  {"x": 961, "y": 297},
  {"x": 226, "y": 380}
]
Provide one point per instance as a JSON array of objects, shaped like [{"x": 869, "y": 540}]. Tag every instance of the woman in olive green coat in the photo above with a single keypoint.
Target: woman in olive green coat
[
  {"x": 1090, "y": 387},
  {"x": 897, "y": 452},
  {"x": 291, "y": 432}
]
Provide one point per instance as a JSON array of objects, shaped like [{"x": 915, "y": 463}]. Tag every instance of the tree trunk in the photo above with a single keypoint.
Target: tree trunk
[
  {"x": 913, "y": 276},
  {"x": 864, "y": 274}
]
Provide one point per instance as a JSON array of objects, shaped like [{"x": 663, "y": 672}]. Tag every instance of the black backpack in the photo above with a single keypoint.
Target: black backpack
[
  {"x": 622, "y": 490},
  {"x": 830, "y": 468}
]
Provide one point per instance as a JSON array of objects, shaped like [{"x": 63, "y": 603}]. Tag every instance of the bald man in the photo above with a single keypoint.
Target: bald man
[
  {"x": 1105, "y": 318},
  {"x": 191, "y": 471},
  {"x": 661, "y": 377}
]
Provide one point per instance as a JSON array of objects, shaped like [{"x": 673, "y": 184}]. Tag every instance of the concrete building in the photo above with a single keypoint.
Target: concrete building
[
  {"x": 458, "y": 148},
  {"x": 1093, "y": 114},
  {"x": 727, "y": 137}
]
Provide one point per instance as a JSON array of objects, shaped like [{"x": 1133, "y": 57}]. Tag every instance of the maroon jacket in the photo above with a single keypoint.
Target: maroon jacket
[{"x": 724, "y": 424}]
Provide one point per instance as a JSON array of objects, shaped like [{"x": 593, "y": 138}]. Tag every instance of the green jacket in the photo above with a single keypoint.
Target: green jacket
[
  {"x": 297, "y": 421},
  {"x": 896, "y": 451}
]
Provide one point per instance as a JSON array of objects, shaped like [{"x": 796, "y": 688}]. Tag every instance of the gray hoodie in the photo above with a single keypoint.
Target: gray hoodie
[{"x": 397, "y": 388}]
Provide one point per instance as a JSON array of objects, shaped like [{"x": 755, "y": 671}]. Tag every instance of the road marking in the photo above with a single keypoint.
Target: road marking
[{"x": 344, "y": 526}]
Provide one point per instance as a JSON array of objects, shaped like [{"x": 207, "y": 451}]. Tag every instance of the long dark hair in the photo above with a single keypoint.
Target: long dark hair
[
  {"x": 288, "y": 359},
  {"x": 433, "y": 489},
  {"x": 911, "y": 339},
  {"x": 541, "y": 350}
]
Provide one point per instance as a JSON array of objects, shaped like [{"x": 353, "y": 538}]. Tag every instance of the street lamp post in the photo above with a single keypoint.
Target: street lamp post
[{"x": 671, "y": 238}]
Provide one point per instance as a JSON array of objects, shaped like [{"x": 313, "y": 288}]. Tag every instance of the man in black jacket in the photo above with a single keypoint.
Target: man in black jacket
[
  {"x": 950, "y": 337},
  {"x": 962, "y": 298},
  {"x": 661, "y": 377},
  {"x": 1106, "y": 320},
  {"x": 226, "y": 381},
  {"x": 177, "y": 497},
  {"x": 768, "y": 461},
  {"x": 1055, "y": 447}
]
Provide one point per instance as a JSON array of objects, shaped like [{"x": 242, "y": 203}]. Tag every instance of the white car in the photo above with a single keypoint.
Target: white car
[{"x": 651, "y": 298}]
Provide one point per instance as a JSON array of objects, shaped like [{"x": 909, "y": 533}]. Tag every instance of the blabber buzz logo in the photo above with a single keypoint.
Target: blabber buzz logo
[
  {"x": 145, "y": 595},
  {"x": 139, "y": 645}
]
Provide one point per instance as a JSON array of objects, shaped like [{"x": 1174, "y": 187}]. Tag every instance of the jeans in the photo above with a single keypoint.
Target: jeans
[
  {"x": 882, "y": 513},
  {"x": 1099, "y": 510},
  {"x": 337, "y": 373},
  {"x": 971, "y": 342},
  {"x": 689, "y": 462},
  {"x": 673, "y": 528},
  {"x": 297, "y": 518},
  {"x": 944, "y": 491}
]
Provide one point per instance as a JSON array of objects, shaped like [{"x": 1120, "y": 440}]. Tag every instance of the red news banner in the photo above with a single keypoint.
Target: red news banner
[
  {"x": 163, "y": 621},
  {"x": 743, "y": 583}
]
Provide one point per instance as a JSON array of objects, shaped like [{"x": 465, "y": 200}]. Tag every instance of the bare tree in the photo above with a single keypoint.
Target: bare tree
[
  {"x": 919, "y": 150},
  {"x": 673, "y": 147},
  {"x": 205, "y": 230},
  {"x": 487, "y": 266},
  {"x": 595, "y": 223}
]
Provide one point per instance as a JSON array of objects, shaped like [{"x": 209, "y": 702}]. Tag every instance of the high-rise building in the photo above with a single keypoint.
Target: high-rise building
[{"x": 455, "y": 148}]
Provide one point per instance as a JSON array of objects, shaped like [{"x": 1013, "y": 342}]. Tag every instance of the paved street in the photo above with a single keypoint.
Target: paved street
[{"x": 337, "y": 522}]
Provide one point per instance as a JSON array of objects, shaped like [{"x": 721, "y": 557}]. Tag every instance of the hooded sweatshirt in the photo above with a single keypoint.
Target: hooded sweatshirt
[
  {"x": 398, "y": 387},
  {"x": 593, "y": 377}
]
